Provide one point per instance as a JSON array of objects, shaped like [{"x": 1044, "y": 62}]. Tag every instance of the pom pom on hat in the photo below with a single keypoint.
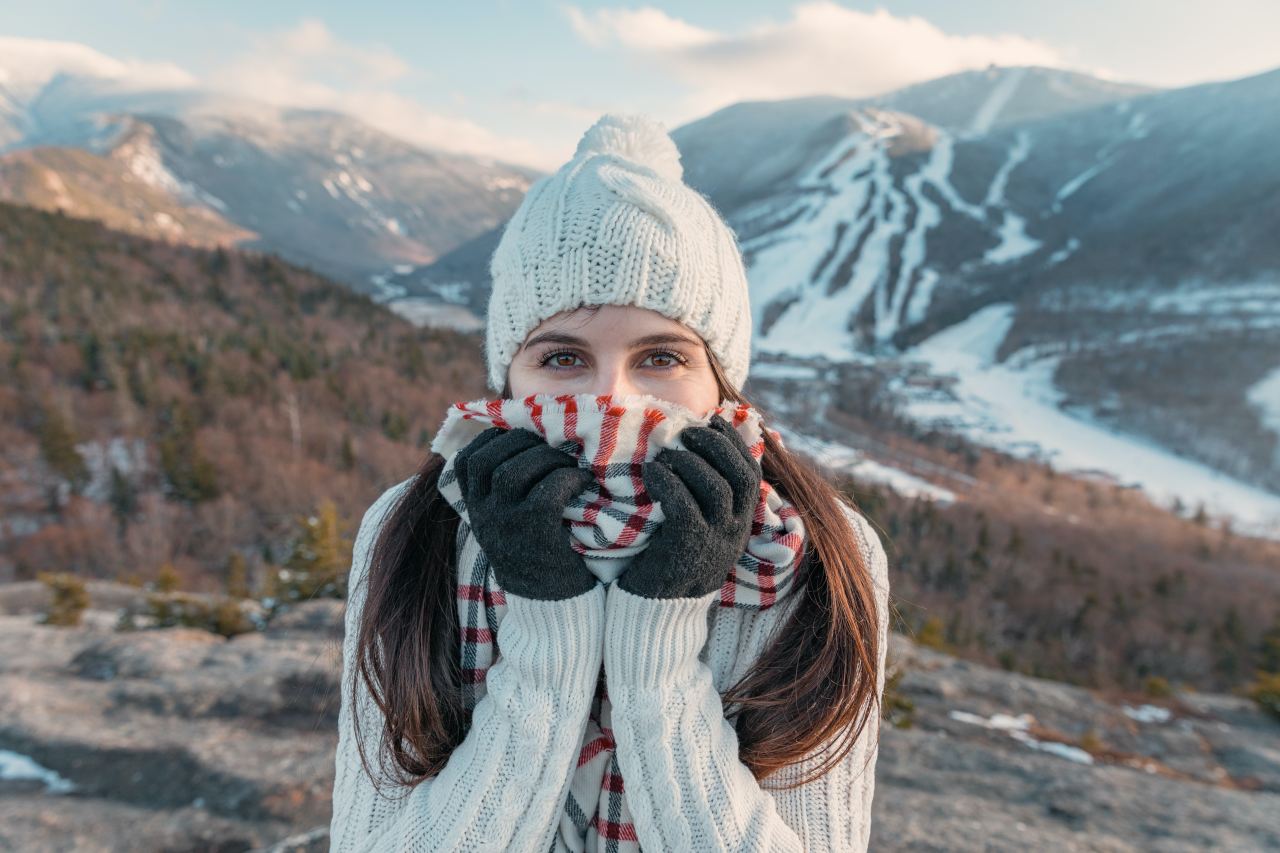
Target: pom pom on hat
[{"x": 636, "y": 138}]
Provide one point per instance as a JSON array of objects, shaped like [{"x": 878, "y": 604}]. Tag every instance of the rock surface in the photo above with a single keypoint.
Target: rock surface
[
  {"x": 180, "y": 740},
  {"x": 1081, "y": 771},
  {"x": 174, "y": 739}
]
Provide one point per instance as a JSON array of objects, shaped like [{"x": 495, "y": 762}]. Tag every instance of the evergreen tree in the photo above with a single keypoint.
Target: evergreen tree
[
  {"x": 123, "y": 497},
  {"x": 58, "y": 446},
  {"x": 237, "y": 576},
  {"x": 321, "y": 557},
  {"x": 191, "y": 476},
  {"x": 932, "y": 634},
  {"x": 394, "y": 425},
  {"x": 69, "y": 598},
  {"x": 167, "y": 579}
]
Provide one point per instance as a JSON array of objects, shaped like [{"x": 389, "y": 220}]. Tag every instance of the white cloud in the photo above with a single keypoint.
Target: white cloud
[
  {"x": 308, "y": 66},
  {"x": 27, "y": 64},
  {"x": 822, "y": 49},
  {"x": 639, "y": 29}
]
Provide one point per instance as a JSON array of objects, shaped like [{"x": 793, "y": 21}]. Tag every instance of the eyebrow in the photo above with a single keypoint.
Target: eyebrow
[{"x": 574, "y": 340}]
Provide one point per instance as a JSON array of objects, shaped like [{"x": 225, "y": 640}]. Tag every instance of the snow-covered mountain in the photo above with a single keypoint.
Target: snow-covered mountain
[
  {"x": 1120, "y": 236},
  {"x": 1129, "y": 247},
  {"x": 1154, "y": 294},
  {"x": 145, "y": 149},
  {"x": 976, "y": 102}
]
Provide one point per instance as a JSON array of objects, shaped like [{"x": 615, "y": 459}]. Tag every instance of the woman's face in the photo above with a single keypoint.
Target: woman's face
[{"x": 615, "y": 349}]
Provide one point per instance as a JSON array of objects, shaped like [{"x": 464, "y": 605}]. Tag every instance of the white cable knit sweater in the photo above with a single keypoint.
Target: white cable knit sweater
[{"x": 665, "y": 661}]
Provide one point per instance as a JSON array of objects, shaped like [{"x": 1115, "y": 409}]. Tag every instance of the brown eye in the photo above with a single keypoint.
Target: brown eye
[
  {"x": 555, "y": 359},
  {"x": 671, "y": 359}
]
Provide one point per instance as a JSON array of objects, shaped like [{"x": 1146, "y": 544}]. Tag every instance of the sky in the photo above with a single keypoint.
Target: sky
[{"x": 521, "y": 80}]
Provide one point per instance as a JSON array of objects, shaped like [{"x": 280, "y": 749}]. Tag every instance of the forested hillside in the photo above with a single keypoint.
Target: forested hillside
[{"x": 169, "y": 407}]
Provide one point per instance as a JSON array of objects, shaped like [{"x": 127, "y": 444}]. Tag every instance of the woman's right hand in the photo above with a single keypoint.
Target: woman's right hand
[{"x": 516, "y": 488}]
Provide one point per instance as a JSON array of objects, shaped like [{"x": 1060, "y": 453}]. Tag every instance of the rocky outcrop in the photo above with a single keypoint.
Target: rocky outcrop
[
  {"x": 177, "y": 739},
  {"x": 999, "y": 761},
  {"x": 173, "y": 739}
]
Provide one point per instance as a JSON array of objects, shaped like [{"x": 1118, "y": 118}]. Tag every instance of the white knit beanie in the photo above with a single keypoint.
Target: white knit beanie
[{"x": 618, "y": 225}]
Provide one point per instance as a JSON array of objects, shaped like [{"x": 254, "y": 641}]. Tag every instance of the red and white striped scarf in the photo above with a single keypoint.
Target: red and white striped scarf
[{"x": 608, "y": 524}]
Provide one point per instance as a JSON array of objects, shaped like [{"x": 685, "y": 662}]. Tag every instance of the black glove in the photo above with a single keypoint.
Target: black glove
[
  {"x": 516, "y": 487},
  {"x": 709, "y": 495}
]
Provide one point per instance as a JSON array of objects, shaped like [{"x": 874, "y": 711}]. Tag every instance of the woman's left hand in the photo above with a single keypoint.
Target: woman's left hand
[{"x": 709, "y": 494}]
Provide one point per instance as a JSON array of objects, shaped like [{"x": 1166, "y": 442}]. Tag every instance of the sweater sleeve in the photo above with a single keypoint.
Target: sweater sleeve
[
  {"x": 685, "y": 785},
  {"x": 504, "y": 787}
]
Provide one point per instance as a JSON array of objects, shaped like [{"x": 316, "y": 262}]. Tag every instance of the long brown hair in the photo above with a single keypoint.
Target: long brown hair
[{"x": 815, "y": 681}]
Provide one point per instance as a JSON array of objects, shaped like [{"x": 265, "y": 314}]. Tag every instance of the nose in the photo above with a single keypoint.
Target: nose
[{"x": 614, "y": 377}]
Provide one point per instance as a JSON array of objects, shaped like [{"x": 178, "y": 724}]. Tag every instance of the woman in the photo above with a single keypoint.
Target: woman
[{"x": 721, "y": 690}]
